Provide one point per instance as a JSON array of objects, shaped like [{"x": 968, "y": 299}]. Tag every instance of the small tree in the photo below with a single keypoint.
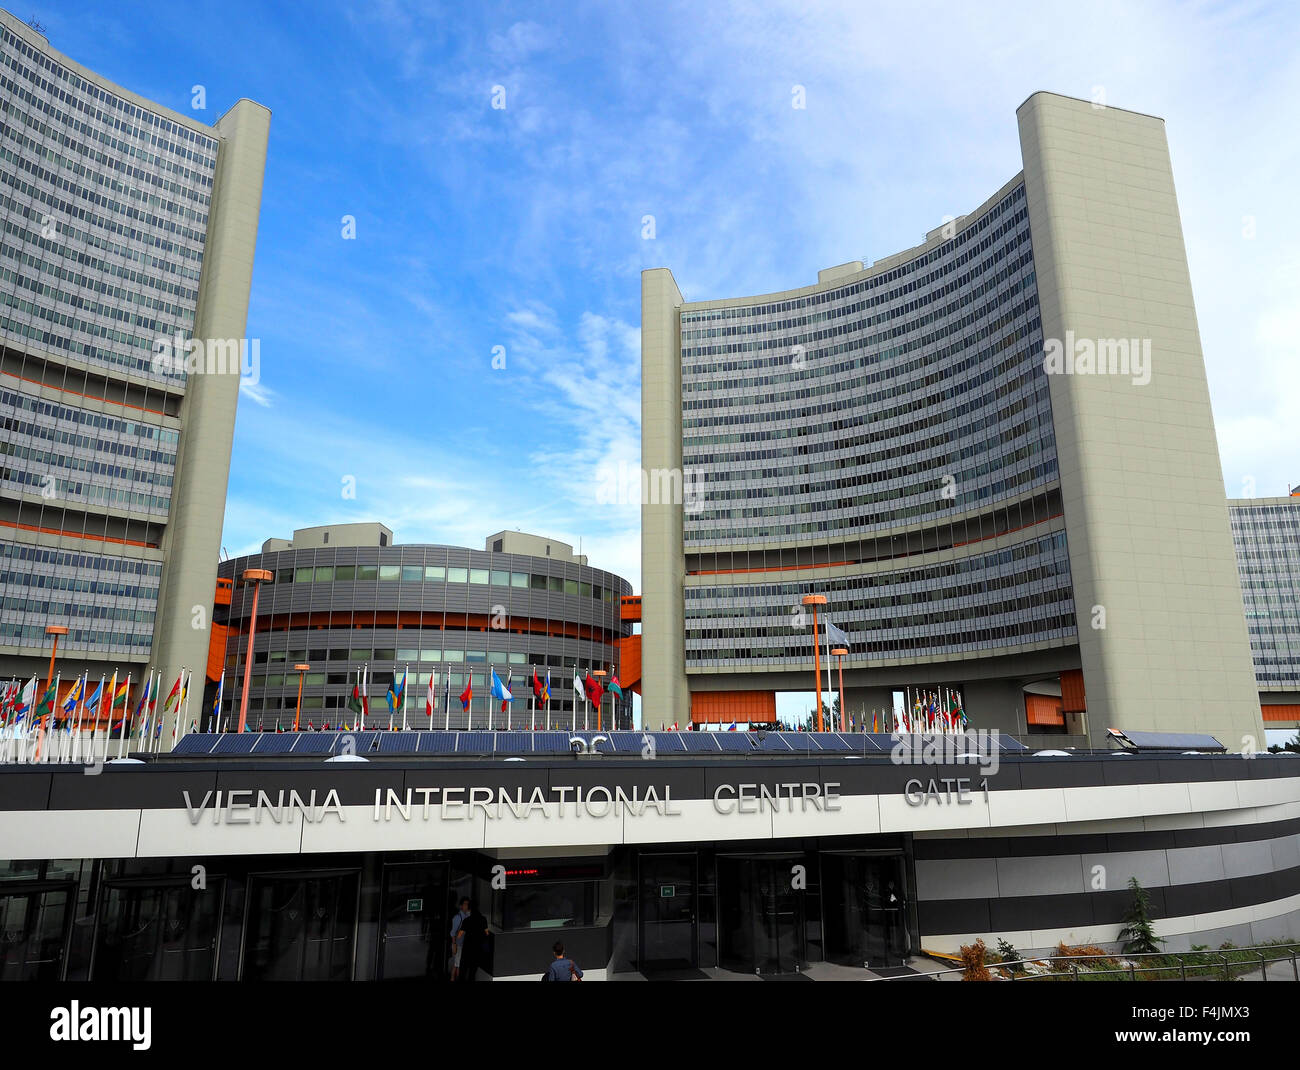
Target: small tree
[
  {"x": 973, "y": 957},
  {"x": 1139, "y": 934}
]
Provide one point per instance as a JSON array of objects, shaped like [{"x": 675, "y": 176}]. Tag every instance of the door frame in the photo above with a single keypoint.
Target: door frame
[
  {"x": 694, "y": 857},
  {"x": 904, "y": 857},
  {"x": 69, "y": 888},
  {"x": 299, "y": 874},
  {"x": 381, "y": 936},
  {"x": 106, "y": 884},
  {"x": 754, "y": 856}
]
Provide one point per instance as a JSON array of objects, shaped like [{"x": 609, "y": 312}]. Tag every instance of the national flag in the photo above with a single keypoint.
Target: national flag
[
  {"x": 546, "y": 692},
  {"x": 613, "y": 684},
  {"x": 835, "y": 637},
  {"x": 144, "y": 698},
  {"x": 499, "y": 690},
  {"x": 25, "y": 700},
  {"x": 118, "y": 694},
  {"x": 74, "y": 694},
  {"x": 875, "y": 720},
  {"x": 396, "y": 692},
  {"x": 731, "y": 727},
  {"x": 594, "y": 691},
  {"x": 354, "y": 703},
  {"x": 93, "y": 701},
  {"x": 216, "y": 702},
  {"x": 172, "y": 697},
  {"x": 539, "y": 689},
  {"x": 578, "y": 689},
  {"x": 45, "y": 708},
  {"x": 467, "y": 696},
  {"x": 431, "y": 696}
]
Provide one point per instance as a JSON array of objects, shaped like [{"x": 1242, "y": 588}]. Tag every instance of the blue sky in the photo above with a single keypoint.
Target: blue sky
[{"x": 522, "y": 227}]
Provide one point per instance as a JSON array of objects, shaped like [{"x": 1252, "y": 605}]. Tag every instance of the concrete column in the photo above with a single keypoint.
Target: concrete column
[
  {"x": 665, "y": 693},
  {"x": 1147, "y": 520},
  {"x": 192, "y": 541}
]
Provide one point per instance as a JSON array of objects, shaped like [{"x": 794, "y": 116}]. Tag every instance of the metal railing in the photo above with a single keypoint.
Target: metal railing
[{"x": 1222, "y": 969}]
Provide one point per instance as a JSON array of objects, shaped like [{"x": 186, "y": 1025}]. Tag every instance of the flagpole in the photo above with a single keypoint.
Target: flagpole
[
  {"x": 446, "y": 702},
  {"x": 126, "y": 715},
  {"x": 186, "y": 726},
  {"x": 406, "y": 669}
]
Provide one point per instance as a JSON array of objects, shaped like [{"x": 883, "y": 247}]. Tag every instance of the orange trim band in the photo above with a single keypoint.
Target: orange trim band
[
  {"x": 79, "y": 394},
  {"x": 74, "y": 535}
]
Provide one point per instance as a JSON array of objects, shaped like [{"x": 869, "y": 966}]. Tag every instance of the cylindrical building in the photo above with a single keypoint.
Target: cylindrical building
[{"x": 345, "y": 601}]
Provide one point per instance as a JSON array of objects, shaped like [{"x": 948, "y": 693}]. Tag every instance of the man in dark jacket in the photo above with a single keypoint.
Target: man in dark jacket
[{"x": 474, "y": 936}]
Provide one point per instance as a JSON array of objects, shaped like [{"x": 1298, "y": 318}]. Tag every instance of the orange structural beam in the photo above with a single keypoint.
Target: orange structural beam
[
  {"x": 1282, "y": 713},
  {"x": 1072, "y": 693},
  {"x": 724, "y": 707},
  {"x": 629, "y": 660}
]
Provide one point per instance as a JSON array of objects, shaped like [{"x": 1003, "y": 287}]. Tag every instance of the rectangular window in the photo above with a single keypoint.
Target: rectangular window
[
  {"x": 324, "y": 573},
  {"x": 338, "y": 654},
  {"x": 430, "y": 655},
  {"x": 345, "y": 573},
  {"x": 303, "y": 575},
  {"x": 478, "y": 656},
  {"x": 570, "y": 586},
  {"x": 367, "y": 572},
  {"x": 390, "y": 572},
  {"x": 412, "y": 574},
  {"x": 556, "y": 584},
  {"x": 405, "y": 655},
  {"x": 500, "y": 578},
  {"x": 478, "y": 575},
  {"x": 360, "y": 655},
  {"x": 519, "y": 579},
  {"x": 538, "y": 582},
  {"x": 384, "y": 653},
  {"x": 457, "y": 575},
  {"x": 435, "y": 573},
  {"x": 453, "y": 655}
]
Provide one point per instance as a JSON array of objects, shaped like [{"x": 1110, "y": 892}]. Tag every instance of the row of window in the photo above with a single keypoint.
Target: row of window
[
  {"x": 40, "y": 555},
  {"x": 441, "y": 574}
]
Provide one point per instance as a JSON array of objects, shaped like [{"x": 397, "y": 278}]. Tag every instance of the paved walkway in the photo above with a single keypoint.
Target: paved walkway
[{"x": 817, "y": 971}]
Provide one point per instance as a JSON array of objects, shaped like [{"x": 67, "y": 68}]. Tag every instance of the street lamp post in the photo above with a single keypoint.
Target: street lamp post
[
  {"x": 257, "y": 577},
  {"x": 816, "y": 600},
  {"x": 54, "y": 631},
  {"x": 300, "y": 670},
  {"x": 839, "y": 653}
]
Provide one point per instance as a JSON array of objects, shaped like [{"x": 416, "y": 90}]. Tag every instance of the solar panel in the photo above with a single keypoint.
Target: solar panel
[
  {"x": 236, "y": 743},
  {"x": 399, "y": 742},
  {"x": 698, "y": 742},
  {"x": 1006, "y": 743},
  {"x": 1173, "y": 741},
  {"x": 473, "y": 742},
  {"x": 279, "y": 743},
  {"x": 436, "y": 742},
  {"x": 551, "y": 743},
  {"x": 316, "y": 742},
  {"x": 733, "y": 742},
  {"x": 628, "y": 742},
  {"x": 514, "y": 742},
  {"x": 197, "y": 743},
  {"x": 669, "y": 742},
  {"x": 829, "y": 741},
  {"x": 774, "y": 743}
]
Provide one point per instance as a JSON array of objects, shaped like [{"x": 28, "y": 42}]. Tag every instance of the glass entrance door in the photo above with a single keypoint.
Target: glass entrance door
[
  {"x": 865, "y": 907},
  {"x": 760, "y": 914},
  {"x": 158, "y": 933},
  {"x": 413, "y": 942},
  {"x": 668, "y": 913},
  {"x": 33, "y": 931},
  {"x": 300, "y": 928}
]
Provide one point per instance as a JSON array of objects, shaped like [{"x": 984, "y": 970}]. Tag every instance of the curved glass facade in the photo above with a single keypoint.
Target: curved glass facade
[
  {"x": 897, "y": 414},
  {"x": 1267, "y": 538},
  {"x": 423, "y": 609}
]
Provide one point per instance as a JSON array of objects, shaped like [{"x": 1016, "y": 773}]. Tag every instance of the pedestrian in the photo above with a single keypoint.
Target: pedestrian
[
  {"x": 462, "y": 912},
  {"x": 474, "y": 935},
  {"x": 561, "y": 968}
]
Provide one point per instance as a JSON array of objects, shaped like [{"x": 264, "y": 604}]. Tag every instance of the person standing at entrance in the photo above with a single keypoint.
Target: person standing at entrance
[
  {"x": 473, "y": 937},
  {"x": 561, "y": 967},
  {"x": 456, "y": 939}
]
